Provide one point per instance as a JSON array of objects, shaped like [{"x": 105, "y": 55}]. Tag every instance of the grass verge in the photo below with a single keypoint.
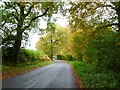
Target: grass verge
[{"x": 94, "y": 78}]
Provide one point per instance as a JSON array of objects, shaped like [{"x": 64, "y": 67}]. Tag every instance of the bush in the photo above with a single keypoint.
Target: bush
[
  {"x": 45, "y": 58},
  {"x": 104, "y": 49},
  {"x": 27, "y": 55},
  {"x": 70, "y": 58}
]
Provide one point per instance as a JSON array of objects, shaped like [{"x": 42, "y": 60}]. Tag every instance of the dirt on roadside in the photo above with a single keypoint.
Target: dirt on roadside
[{"x": 78, "y": 81}]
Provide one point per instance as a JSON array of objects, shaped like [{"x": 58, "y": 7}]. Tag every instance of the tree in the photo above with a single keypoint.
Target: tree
[
  {"x": 51, "y": 29},
  {"x": 54, "y": 41},
  {"x": 86, "y": 20},
  {"x": 20, "y": 17}
]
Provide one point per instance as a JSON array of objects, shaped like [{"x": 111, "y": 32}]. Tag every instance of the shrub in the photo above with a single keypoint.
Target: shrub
[
  {"x": 27, "y": 55},
  {"x": 104, "y": 49}
]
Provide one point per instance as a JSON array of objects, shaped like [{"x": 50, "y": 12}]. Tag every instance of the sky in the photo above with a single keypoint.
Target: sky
[{"x": 62, "y": 21}]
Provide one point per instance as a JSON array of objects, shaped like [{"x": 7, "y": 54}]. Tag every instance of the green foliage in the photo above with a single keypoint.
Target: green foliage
[
  {"x": 99, "y": 46},
  {"x": 69, "y": 57},
  {"x": 103, "y": 49},
  {"x": 54, "y": 41},
  {"x": 28, "y": 56},
  {"x": 86, "y": 40},
  {"x": 92, "y": 77},
  {"x": 23, "y": 67},
  {"x": 5, "y": 68},
  {"x": 65, "y": 57}
]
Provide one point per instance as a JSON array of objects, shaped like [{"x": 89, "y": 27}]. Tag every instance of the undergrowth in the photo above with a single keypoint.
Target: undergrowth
[{"x": 93, "y": 77}]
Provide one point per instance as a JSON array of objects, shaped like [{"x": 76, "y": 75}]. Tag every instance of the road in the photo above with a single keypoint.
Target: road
[{"x": 57, "y": 75}]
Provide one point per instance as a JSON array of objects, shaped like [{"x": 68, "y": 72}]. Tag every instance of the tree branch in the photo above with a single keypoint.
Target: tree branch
[
  {"x": 3, "y": 24},
  {"x": 105, "y": 6},
  {"x": 35, "y": 19},
  {"x": 40, "y": 15},
  {"x": 109, "y": 6},
  {"x": 113, "y": 24}
]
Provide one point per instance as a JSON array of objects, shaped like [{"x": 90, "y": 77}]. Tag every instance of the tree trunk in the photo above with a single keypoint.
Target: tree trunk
[
  {"x": 51, "y": 50},
  {"x": 51, "y": 57},
  {"x": 17, "y": 45}
]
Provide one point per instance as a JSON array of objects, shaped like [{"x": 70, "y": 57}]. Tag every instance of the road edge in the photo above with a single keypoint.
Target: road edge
[
  {"x": 77, "y": 80},
  {"x": 4, "y": 77}
]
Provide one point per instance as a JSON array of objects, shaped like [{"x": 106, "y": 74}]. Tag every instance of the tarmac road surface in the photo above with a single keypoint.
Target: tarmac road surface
[{"x": 58, "y": 75}]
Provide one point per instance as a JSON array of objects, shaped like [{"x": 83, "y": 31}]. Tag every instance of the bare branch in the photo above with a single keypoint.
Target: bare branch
[
  {"x": 103, "y": 5},
  {"x": 40, "y": 15},
  {"x": 109, "y": 6},
  {"x": 3, "y": 24},
  {"x": 113, "y": 24}
]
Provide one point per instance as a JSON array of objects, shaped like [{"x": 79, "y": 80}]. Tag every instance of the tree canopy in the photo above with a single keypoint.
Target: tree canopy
[{"x": 54, "y": 41}]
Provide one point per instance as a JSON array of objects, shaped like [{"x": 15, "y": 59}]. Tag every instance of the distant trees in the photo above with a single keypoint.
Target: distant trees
[{"x": 54, "y": 41}]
